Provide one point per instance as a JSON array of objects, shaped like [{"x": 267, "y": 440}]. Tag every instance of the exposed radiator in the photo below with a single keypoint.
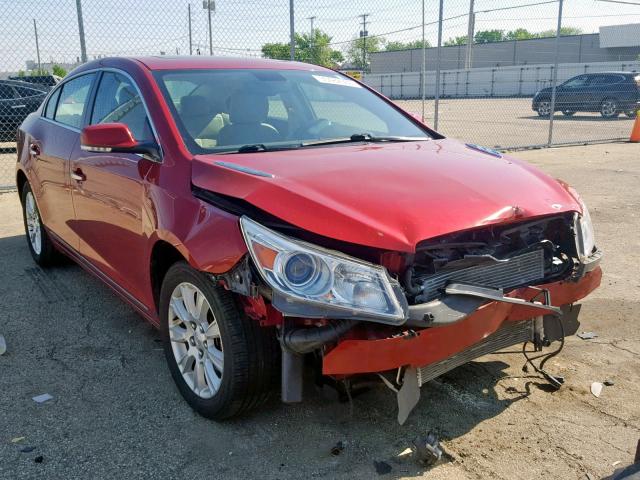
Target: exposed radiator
[
  {"x": 512, "y": 333},
  {"x": 516, "y": 271}
]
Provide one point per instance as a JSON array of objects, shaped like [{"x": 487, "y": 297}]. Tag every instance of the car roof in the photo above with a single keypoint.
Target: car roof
[
  {"x": 166, "y": 62},
  {"x": 612, "y": 73}
]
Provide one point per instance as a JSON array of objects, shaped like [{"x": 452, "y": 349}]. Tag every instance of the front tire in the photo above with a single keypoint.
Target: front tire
[
  {"x": 40, "y": 246},
  {"x": 223, "y": 362},
  {"x": 544, "y": 108}
]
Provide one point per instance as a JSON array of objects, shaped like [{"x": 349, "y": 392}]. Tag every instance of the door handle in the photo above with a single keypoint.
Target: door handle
[
  {"x": 78, "y": 176},
  {"x": 18, "y": 106},
  {"x": 34, "y": 149}
]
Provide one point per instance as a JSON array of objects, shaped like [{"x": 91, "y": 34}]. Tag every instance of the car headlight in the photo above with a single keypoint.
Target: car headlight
[
  {"x": 308, "y": 280},
  {"x": 586, "y": 235}
]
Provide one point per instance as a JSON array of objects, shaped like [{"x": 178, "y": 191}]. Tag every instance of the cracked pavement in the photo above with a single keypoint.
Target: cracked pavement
[{"x": 116, "y": 411}]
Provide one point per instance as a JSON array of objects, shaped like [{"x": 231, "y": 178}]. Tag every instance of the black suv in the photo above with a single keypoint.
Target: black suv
[
  {"x": 17, "y": 100},
  {"x": 609, "y": 93}
]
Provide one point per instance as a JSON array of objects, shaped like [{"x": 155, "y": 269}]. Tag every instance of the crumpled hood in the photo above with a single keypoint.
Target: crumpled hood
[{"x": 389, "y": 196}]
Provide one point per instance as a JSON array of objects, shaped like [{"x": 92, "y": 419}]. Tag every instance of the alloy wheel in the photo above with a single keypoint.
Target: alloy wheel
[
  {"x": 544, "y": 108},
  {"x": 34, "y": 229},
  {"x": 195, "y": 340},
  {"x": 608, "y": 108}
]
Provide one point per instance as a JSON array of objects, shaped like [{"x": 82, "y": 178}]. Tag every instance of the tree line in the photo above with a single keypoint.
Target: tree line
[{"x": 317, "y": 47}]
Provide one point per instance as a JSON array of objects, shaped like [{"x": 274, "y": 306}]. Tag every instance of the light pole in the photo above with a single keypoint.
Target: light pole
[
  {"x": 363, "y": 35},
  {"x": 190, "y": 39},
  {"x": 470, "y": 33},
  {"x": 83, "y": 45},
  {"x": 555, "y": 73},
  {"x": 292, "y": 39},
  {"x": 424, "y": 65},
  {"x": 209, "y": 6},
  {"x": 35, "y": 29},
  {"x": 437, "y": 99}
]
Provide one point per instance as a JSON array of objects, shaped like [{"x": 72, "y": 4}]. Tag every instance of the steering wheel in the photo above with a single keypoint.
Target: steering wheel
[{"x": 314, "y": 127}]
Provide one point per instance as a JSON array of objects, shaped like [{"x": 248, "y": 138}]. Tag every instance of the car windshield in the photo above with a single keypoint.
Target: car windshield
[{"x": 260, "y": 110}]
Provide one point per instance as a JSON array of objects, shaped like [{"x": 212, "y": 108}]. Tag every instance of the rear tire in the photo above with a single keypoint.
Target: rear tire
[
  {"x": 223, "y": 362},
  {"x": 609, "y": 108},
  {"x": 40, "y": 246}
]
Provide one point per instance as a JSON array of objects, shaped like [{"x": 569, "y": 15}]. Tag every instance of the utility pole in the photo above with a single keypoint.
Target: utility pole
[
  {"x": 470, "y": 34},
  {"x": 555, "y": 74},
  {"x": 35, "y": 29},
  {"x": 190, "y": 39},
  {"x": 292, "y": 39},
  {"x": 437, "y": 99},
  {"x": 83, "y": 45},
  {"x": 311, "y": 40},
  {"x": 209, "y": 5},
  {"x": 423, "y": 72},
  {"x": 363, "y": 35}
]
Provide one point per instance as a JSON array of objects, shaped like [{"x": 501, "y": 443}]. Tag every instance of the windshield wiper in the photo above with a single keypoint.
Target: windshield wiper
[
  {"x": 261, "y": 147},
  {"x": 364, "y": 137}
]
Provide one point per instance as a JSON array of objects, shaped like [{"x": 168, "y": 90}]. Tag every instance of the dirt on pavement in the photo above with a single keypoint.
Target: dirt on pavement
[{"x": 115, "y": 409}]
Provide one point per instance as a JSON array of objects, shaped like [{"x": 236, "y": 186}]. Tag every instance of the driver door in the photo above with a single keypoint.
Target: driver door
[{"x": 109, "y": 190}]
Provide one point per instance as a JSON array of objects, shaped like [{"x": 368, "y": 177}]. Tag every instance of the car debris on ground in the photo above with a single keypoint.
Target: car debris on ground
[
  {"x": 428, "y": 451},
  {"x": 45, "y": 397},
  {"x": 587, "y": 335}
]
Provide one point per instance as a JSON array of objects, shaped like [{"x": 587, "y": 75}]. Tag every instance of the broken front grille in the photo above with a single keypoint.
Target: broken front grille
[{"x": 509, "y": 273}]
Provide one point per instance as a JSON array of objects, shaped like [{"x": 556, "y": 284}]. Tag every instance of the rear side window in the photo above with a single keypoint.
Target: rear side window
[
  {"x": 117, "y": 100},
  {"x": 50, "y": 111},
  {"x": 6, "y": 92},
  {"x": 73, "y": 100}
]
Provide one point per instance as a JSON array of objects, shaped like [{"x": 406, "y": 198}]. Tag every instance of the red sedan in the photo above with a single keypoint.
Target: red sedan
[{"x": 258, "y": 212}]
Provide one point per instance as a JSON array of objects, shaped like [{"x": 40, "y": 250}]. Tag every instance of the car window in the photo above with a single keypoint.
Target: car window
[
  {"x": 600, "y": 80},
  {"x": 73, "y": 99},
  {"x": 223, "y": 110},
  {"x": 117, "y": 100},
  {"x": 50, "y": 110},
  {"x": 6, "y": 92},
  {"x": 24, "y": 92},
  {"x": 576, "y": 82}
]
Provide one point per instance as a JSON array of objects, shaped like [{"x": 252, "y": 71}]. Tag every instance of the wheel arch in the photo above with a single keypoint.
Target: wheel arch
[
  {"x": 163, "y": 256},
  {"x": 21, "y": 180}
]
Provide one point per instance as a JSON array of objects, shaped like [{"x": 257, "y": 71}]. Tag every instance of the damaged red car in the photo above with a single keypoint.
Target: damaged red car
[{"x": 261, "y": 213}]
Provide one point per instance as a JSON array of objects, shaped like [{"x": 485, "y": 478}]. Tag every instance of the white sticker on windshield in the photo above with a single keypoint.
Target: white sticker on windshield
[{"x": 345, "y": 82}]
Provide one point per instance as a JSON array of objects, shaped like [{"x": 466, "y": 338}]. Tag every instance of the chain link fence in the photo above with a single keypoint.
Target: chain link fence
[{"x": 527, "y": 58}]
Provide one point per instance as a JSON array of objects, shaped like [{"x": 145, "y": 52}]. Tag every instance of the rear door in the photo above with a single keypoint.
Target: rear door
[
  {"x": 109, "y": 189},
  {"x": 50, "y": 142}
]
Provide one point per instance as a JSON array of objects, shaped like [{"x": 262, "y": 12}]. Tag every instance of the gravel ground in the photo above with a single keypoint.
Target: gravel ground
[{"x": 116, "y": 411}]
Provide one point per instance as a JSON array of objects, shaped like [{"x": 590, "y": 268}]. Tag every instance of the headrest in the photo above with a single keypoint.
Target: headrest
[
  {"x": 124, "y": 95},
  {"x": 195, "y": 105},
  {"x": 248, "y": 108}
]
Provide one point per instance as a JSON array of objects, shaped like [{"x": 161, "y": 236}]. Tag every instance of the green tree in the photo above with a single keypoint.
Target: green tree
[
  {"x": 38, "y": 72},
  {"x": 359, "y": 49},
  {"x": 58, "y": 71},
  {"x": 456, "y": 41},
  {"x": 519, "y": 34},
  {"x": 395, "y": 45},
  {"x": 314, "y": 49},
  {"x": 564, "y": 31},
  {"x": 486, "y": 36},
  {"x": 21, "y": 74}
]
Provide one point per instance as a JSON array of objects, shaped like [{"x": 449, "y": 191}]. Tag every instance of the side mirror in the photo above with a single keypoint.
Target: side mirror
[{"x": 116, "y": 138}]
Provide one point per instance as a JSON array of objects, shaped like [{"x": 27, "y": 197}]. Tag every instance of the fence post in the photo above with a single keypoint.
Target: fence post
[
  {"x": 83, "y": 45},
  {"x": 437, "y": 96},
  {"x": 555, "y": 74},
  {"x": 520, "y": 82},
  {"x": 493, "y": 76},
  {"x": 292, "y": 40}
]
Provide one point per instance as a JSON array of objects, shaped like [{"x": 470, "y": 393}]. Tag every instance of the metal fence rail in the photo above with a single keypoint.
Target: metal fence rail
[{"x": 414, "y": 51}]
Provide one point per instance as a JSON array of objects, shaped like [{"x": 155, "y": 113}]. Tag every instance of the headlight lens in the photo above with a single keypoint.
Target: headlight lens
[
  {"x": 586, "y": 237},
  {"x": 313, "y": 275}
]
